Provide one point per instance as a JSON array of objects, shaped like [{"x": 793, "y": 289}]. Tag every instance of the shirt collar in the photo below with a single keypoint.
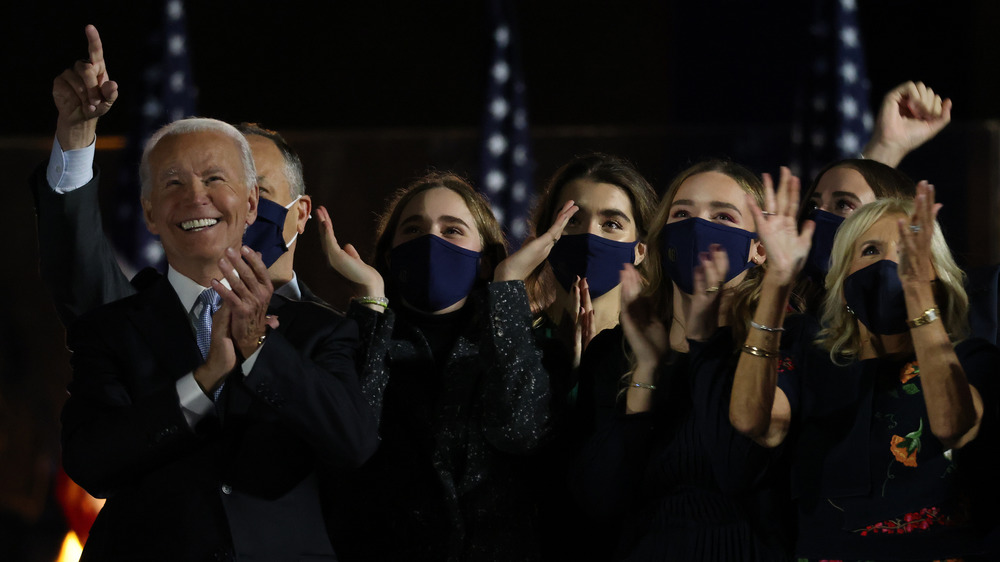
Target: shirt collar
[{"x": 187, "y": 290}]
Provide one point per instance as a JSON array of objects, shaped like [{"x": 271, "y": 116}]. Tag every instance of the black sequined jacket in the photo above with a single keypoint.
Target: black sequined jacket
[{"x": 448, "y": 480}]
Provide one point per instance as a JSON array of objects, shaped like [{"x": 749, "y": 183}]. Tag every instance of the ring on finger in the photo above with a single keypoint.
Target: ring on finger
[
  {"x": 768, "y": 213},
  {"x": 915, "y": 228},
  {"x": 712, "y": 289}
]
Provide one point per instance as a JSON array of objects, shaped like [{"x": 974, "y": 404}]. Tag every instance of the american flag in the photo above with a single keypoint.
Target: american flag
[
  {"x": 167, "y": 94},
  {"x": 505, "y": 162},
  {"x": 834, "y": 120}
]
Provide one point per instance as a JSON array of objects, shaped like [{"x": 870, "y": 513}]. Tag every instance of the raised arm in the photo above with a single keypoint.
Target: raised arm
[
  {"x": 83, "y": 94},
  {"x": 375, "y": 321},
  {"x": 77, "y": 263},
  {"x": 346, "y": 261},
  {"x": 648, "y": 338},
  {"x": 757, "y": 407},
  {"x": 954, "y": 407},
  {"x": 911, "y": 114},
  {"x": 521, "y": 263}
]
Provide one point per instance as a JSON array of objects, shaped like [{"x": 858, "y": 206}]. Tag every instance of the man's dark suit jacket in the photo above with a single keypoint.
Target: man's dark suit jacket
[
  {"x": 244, "y": 481},
  {"x": 124, "y": 415}
]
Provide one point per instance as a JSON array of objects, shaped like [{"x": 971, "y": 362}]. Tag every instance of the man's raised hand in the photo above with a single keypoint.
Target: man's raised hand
[{"x": 82, "y": 94}]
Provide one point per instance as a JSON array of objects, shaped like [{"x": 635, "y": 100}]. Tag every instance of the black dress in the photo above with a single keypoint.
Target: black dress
[
  {"x": 682, "y": 482},
  {"x": 870, "y": 479},
  {"x": 584, "y": 398},
  {"x": 462, "y": 398}
]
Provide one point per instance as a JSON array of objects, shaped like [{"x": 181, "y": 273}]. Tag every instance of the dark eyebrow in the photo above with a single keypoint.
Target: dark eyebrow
[
  {"x": 846, "y": 194},
  {"x": 725, "y": 205},
  {"x": 617, "y": 213},
  {"x": 722, "y": 204},
  {"x": 449, "y": 218}
]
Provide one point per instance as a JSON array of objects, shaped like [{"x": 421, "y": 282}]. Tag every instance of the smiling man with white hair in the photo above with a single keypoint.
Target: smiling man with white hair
[{"x": 202, "y": 407}]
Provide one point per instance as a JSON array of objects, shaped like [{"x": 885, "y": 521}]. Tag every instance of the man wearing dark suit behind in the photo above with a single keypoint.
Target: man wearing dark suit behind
[
  {"x": 77, "y": 264},
  {"x": 187, "y": 478}
]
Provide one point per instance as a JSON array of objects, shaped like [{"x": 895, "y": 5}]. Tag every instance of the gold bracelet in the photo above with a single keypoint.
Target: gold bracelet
[
  {"x": 759, "y": 352},
  {"x": 929, "y": 315},
  {"x": 643, "y": 385},
  {"x": 378, "y": 301}
]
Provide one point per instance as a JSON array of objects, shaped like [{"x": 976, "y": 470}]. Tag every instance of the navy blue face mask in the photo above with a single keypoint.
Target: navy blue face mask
[
  {"x": 682, "y": 241},
  {"x": 431, "y": 274},
  {"x": 818, "y": 262},
  {"x": 589, "y": 256},
  {"x": 267, "y": 234},
  {"x": 875, "y": 296}
]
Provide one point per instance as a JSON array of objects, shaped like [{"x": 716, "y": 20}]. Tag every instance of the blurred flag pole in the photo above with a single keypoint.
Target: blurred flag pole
[
  {"x": 833, "y": 116},
  {"x": 167, "y": 93},
  {"x": 506, "y": 165}
]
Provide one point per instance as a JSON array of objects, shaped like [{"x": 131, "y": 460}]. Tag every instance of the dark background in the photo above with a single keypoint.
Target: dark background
[
  {"x": 358, "y": 65},
  {"x": 374, "y": 93}
]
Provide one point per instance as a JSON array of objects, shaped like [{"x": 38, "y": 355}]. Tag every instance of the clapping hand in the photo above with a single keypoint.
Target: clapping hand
[
  {"x": 786, "y": 246},
  {"x": 646, "y": 334},
  {"x": 248, "y": 296},
  {"x": 240, "y": 325},
  {"x": 709, "y": 277},
  {"x": 521, "y": 263},
  {"x": 915, "y": 235},
  {"x": 346, "y": 261},
  {"x": 582, "y": 319}
]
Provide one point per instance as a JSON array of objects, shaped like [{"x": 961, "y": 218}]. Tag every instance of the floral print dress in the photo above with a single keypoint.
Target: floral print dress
[{"x": 871, "y": 480}]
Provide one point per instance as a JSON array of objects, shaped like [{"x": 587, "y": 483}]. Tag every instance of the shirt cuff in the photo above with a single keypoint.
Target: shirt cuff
[
  {"x": 70, "y": 169},
  {"x": 248, "y": 363},
  {"x": 195, "y": 404}
]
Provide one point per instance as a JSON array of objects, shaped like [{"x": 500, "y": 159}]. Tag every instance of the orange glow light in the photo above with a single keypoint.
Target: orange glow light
[{"x": 71, "y": 549}]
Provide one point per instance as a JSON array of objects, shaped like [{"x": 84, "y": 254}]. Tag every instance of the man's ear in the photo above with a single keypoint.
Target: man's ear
[
  {"x": 640, "y": 253},
  {"x": 252, "y": 196},
  {"x": 304, "y": 206},
  {"x": 147, "y": 215}
]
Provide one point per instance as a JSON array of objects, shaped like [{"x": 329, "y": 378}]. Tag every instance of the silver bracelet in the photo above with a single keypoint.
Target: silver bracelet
[
  {"x": 765, "y": 328},
  {"x": 643, "y": 385}
]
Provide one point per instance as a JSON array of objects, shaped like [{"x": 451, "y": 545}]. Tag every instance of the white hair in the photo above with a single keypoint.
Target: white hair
[{"x": 195, "y": 125}]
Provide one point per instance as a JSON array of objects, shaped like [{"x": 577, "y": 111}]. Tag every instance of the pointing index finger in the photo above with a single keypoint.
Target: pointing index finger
[{"x": 94, "y": 46}]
